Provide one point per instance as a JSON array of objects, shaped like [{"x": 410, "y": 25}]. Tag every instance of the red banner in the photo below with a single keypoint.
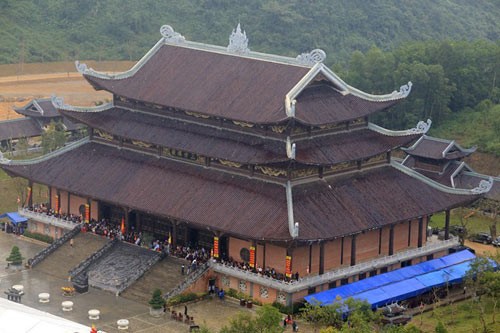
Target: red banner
[
  {"x": 288, "y": 267},
  {"x": 216, "y": 247},
  {"x": 28, "y": 195},
  {"x": 87, "y": 213},
  {"x": 252, "y": 256},
  {"x": 56, "y": 208}
]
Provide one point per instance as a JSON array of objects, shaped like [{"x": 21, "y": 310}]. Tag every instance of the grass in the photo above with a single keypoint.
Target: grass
[
  {"x": 460, "y": 317},
  {"x": 474, "y": 223},
  {"x": 10, "y": 190}
]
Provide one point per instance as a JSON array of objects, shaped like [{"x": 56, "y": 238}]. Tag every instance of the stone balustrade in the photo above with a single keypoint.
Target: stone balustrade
[
  {"x": 336, "y": 274},
  {"x": 47, "y": 219}
]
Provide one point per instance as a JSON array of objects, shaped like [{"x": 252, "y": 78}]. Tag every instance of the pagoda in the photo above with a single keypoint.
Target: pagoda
[{"x": 267, "y": 160}]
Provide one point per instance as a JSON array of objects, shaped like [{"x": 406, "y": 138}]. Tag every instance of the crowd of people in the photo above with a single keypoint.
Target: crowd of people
[
  {"x": 267, "y": 271},
  {"x": 195, "y": 255}
]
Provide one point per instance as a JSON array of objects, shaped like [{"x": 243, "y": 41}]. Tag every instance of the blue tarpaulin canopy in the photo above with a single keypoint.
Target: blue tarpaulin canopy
[
  {"x": 402, "y": 283},
  {"x": 14, "y": 217}
]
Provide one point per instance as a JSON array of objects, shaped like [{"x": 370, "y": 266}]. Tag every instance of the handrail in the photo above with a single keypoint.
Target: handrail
[
  {"x": 188, "y": 281},
  {"x": 47, "y": 219}
]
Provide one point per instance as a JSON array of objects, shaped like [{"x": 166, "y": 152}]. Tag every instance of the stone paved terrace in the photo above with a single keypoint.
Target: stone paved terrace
[
  {"x": 67, "y": 257},
  {"x": 166, "y": 274}
]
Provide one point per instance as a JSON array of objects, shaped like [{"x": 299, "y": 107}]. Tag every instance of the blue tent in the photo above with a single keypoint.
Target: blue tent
[
  {"x": 14, "y": 217},
  {"x": 402, "y": 283}
]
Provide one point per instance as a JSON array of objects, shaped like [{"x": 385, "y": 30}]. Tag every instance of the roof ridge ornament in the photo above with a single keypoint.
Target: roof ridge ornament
[
  {"x": 238, "y": 41},
  {"x": 170, "y": 36},
  {"x": 405, "y": 89},
  {"x": 290, "y": 148},
  {"x": 58, "y": 102},
  {"x": 484, "y": 186},
  {"x": 82, "y": 68},
  {"x": 312, "y": 58},
  {"x": 422, "y": 127}
]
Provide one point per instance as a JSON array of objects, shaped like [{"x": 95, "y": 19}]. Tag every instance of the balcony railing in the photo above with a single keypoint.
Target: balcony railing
[
  {"x": 47, "y": 219},
  {"x": 336, "y": 274}
]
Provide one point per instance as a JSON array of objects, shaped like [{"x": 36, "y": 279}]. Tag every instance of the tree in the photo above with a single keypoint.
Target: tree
[
  {"x": 15, "y": 257},
  {"x": 489, "y": 284},
  {"x": 54, "y": 137},
  {"x": 268, "y": 320}
]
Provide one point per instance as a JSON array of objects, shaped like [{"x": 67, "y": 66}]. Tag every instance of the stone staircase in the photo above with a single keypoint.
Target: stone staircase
[
  {"x": 66, "y": 257},
  {"x": 165, "y": 274}
]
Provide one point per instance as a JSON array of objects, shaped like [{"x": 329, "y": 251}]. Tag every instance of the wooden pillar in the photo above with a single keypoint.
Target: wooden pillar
[
  {"x": 380, "y": 241},
  {"x": 50, "y": 197},
  {"x": 447, "y": 225},
  {"x": 69, "y": 202},
  {"x": 391, "y": 240},
  {"x": 409, "y": 233},
  {"x": 342, "y": 251},
  {"x": 321, "y": 258},
  {"x": 310, "y": 259},
  {"x": 174, "y": 234},
  {"x": 263, "y": 254},
  {"x": 420, "y": 226},
  {"x": 353, "y": 250}
]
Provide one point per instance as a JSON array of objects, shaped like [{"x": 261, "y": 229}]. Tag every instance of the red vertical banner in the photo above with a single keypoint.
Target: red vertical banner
[
  {"x": 87, "y": 213},
  {"x": 288, "y": 266},
  {"x": 28, "y": 195},
  {"x": 56, "y": 208},
  {"x": 122, "y": 226},
  {"x": 252, "y": 256},
  {"x": 216, "y": 247}
]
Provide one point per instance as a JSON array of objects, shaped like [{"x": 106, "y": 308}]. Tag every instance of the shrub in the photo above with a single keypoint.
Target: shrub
[
  {"x": 15, "y": 256},
  {"x": 41, "y": 237},
  {"x": 157, "y": 301},
  {"x": 185, "y": 297}
]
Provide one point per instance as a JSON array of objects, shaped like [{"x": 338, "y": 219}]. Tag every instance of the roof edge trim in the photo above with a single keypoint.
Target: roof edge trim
[
  {"x": 293, "y": 227},
  {"x": 455, "y": 173},
  {"x": 48, "y": 156},
  {"x": 422, "y": 127},
  {"x": 58, "y": 103},
  {"x": 483, "y": 187}
]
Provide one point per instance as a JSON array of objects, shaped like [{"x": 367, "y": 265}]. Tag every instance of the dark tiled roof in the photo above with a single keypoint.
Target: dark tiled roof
[
  {"x": 471, "y": 180},
  {"x": 49, "y": 111},
  {"x": 232, "y": 87},
  {"x": 19, "y": 128},
  {"x": 429, "y": 147},
  {"x": 323, "y": 104},
  {"x": 241, "y": 206},
  {"x": 366, "y": 200},
  {"x": 238, "y": 147}
]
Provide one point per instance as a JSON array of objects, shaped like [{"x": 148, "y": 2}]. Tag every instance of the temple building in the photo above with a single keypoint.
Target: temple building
[
  {"x": 38, "y": 114},
  {"x": 267, "y": 160}
]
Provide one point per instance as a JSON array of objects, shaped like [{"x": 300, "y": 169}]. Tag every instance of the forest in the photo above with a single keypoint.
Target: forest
[{"x": 450, "y": 50}]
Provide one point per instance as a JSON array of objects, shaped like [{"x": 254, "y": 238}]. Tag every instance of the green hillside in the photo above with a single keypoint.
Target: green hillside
[{"x": 50, "y": 30}]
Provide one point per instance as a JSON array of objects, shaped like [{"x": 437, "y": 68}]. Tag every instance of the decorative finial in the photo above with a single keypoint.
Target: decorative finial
[
  {"x": 404, "y": 90},
  {"x": 171, "y": 36},
  {"x": 58, "y": 102},
  {"x": 484, "y": 186},
  {"x": 81, "y": 67},
  {"x": 238, "y": 41},
  {"x": 422, "y": 127},
  {"x": 312, "y": 58}
]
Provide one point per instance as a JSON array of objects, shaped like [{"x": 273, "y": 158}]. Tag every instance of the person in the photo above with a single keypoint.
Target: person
[
  {"x": 185, "y": 310},
  {"x": 182, "y": 270},
  {"x": 295, "y": 327},
  {"x": 284, "y": 322},
  {"x": 71, "y": 242},
  {"x": 221, "y": 294}
]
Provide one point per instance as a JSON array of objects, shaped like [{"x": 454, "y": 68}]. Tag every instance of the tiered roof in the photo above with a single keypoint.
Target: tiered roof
[
  {"x": 245, "y": 109},
  {"x": 243, "y": 206},
  {"x": 438, "y": 149}
]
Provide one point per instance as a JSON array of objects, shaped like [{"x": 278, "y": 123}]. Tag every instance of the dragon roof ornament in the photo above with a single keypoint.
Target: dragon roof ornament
[
  {"x": 484, "y": 186},
  {"x": 311, "y": 58},
  {"x": 58, "y": 103},
  {"x": 422, "y": 127},
  {"x": 238, "y": 41},
  {"x": 170, "y": 36}
]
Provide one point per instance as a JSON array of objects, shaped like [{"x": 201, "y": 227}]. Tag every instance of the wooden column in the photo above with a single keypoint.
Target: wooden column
[
  {"x": 310, "y": 259},
  {"x": 420, "y": 226},
  {"x": 321, "y": 258},
  {"x": 447, "y": 225},
  {"x": 353, "y": 250},
  {"x": 50, "y": 197},
  {"x": 69, "y": 202},
  {"x": 391, "y": 240},
  {"x": 342, "y": 251},
  {"x": 380, "y": 241},
  {"x": 174, "y": 234}
]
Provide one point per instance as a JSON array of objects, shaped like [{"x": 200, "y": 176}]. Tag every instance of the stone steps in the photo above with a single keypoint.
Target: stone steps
[
  {"x": 166, "y": 275},
  {"x": 66, "y": 257}
]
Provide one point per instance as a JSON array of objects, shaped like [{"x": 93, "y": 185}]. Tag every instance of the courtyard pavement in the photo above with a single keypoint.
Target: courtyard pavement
[{"x": 212, "y": 313}]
